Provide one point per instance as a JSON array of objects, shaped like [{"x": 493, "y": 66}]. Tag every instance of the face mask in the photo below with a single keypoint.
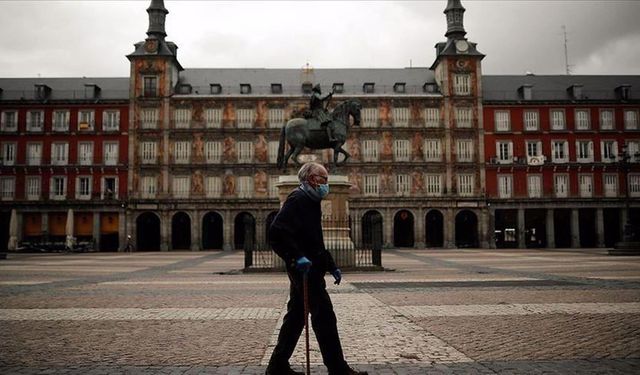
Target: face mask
[{"x": 323, "y": 190}]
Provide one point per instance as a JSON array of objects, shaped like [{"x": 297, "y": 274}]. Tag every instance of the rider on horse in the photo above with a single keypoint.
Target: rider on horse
[{"x": 319, "y": 111}]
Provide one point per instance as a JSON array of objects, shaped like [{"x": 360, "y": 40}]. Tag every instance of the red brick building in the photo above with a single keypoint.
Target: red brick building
[
  {"x": 555, "y": 175},
  {"x": 64, "y": 160}
]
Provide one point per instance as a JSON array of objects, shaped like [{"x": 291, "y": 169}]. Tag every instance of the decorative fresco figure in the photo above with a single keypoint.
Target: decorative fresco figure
[
  {"x": 229, "y": 183},
  {"x": 261, "y": 149},
  {"x": 355, "y": 179},
  {"x": 354, "y": 147},
  {"x": 197, "y": 181},
  {"x": 417, "y": 182},
  {"x": 198, "y": 148},
  {"x": 416, "y": 147},
  {"x": 229, "y": 152},
  {"x": 386, "y": 186},
  {"x": 260, "y": 183},
  {"x": 387, "y": 146}
]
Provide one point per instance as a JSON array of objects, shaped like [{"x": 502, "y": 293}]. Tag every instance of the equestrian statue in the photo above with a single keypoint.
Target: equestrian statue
[{"x": 318, "y": 129}]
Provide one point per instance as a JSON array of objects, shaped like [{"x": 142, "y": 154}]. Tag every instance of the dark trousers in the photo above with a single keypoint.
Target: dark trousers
[{"x": 323, "y": 321}]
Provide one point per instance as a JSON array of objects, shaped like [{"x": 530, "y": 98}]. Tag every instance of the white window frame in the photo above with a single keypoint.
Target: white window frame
[
  {"x": 54, "y": 192},
  {"x": 4, "y": 123},
  {"x": 433, "y": 185},
  {"x": 607, "y": 119},
  {"x": 35, "y": 124},
  {"x": 213, "y": 152},
  {"x": 462, "y": 84},
  {"x": 369, "y": 118},
  {"x": 466, "y": 185},
  {"x": 370, "y": 150},
  {"x": 149, "y": 118},
  {"x": 633, "y": 149},
  {"x": 464, "y": 150},
  {"x": 273, "y": 186},
  {"x": 610, "y": 185},
  {"x": 60, "y": 120},
  {"x": 103, "y": 187},
  {"x": 245, "y": 187},
  {"x": 59, "y": 153},
  {"x": 631, "y": 119},
  {"x": 34, "y": 159},
  {"x": 432, "y": 150},
  {"x": 608, "y": 151},
  {"x": 245, "y": 151},
  {"x": 181, "y": 187},
  {"x": 505, "y": 186},
  {"x": 110, "y": 151},
  {"x": 561, "y": 185},
  {"x": 148, "y": 187},
  {"x": 582, "y": 119},
  {"x": 9, "y": 153},
  {"x": 557, "y": 119},
  {"x": 213, "y": 186},
  {"x": 181, "y": 152},
  {"x": 110, "y": 120},
  {"x": 585, "y": 185},
  {"x": 272, "y": 150},
  {"x": 403, "y": 185},
  {"x": 504, "y": 152},
  {"x": 464, "y": 117},
  {"x": 245, "y": 118},
  {"x": 87, "y": 195},
  {"x": 213, "y": 118},
  {"x": 531, "y": 120},
  {"x": 401, "y": 150},
  {"x": 33, "y": 188},
  {"x": 502, "y": 119},
  {"x": 148, "y": 152},
  {"x": 534, "y": 185},
  {"x": 7, "y": 188},
  {"x": 86, "y": 116},
  {"x": 401, "y": 117},
  {"x": 85, "y": 153},
  {"x": 371, "y": 185},
  {"x": 559, "y": 155},
  {"x": 432, "y": 117},
  {"x": 634, "y": 185},
  {"x": 182, "y": 118},
  {"x": 533, "y": 145},
  {"x": 276, "y": 118},
  {"x": 580, "y": 148}
]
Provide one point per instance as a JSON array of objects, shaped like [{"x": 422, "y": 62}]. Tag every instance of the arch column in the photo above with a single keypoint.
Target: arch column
[
  {"x": 165, "y": 230},
  {"x": 485, "y": 228},
  {"x": 575, "y": 228},
  {"x": 551, "y": 236},
  {"x": 449, "y": 228},
  {"x": 388, "y": 228},
  {"x": 261, "y": 236},
  {"x": 227, "y": 229},
  {"x": 196, "y": 223},
  {"x": 521, "y": 229},
  {"x": 96, "y": 230},
  {"x": 419, "y": 229},
  {"x": 122, "y": 228},
  {"x": 600, "y": 227}
]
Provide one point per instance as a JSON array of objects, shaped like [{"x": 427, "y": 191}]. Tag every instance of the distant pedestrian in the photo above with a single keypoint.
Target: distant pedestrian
[{"x": 296, "y": 236}]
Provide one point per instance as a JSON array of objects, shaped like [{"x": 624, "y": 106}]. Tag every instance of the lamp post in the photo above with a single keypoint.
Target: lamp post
[{"x": 630, "y": 245}]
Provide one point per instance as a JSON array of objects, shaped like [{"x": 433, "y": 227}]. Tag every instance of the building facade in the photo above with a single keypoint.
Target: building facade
[{"x": 443, "y": 157}]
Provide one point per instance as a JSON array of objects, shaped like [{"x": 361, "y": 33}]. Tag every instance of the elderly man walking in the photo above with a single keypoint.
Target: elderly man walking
[{"x": 296, "y": 236}]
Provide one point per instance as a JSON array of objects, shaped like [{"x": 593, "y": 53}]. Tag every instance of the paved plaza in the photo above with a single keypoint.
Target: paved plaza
[{"x": 430, "y": 312}]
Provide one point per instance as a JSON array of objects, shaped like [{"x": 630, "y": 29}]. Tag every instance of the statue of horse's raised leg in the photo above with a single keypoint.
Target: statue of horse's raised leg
[{"x": 339, "y": 150}]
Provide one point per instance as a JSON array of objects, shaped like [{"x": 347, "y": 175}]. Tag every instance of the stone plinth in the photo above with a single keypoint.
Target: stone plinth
[{"x": 335, "y": 211}]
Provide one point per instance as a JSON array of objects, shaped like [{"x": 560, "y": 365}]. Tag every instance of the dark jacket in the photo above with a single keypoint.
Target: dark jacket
[{"x": 296, "y": 231}]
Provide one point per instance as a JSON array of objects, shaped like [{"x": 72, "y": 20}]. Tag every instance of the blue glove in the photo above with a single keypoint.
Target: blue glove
[
  {"x": 303, "y": 265},
  {"x": 337, "y": 274}
]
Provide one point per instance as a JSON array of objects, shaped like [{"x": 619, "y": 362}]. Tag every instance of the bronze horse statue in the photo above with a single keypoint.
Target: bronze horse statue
[{"x": 300, "y": 133}]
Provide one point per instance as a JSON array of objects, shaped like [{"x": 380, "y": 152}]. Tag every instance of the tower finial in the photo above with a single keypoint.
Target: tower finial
[
  {"x": 455, "y": 18},
  {"x": 157, "y": 14}
]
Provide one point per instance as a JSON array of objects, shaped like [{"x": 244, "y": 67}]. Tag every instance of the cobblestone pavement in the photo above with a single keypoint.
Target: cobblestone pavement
[{"x": 431, "y": 312}]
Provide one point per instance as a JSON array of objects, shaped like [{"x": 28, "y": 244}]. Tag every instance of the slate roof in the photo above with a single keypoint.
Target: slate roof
[
  {"x": 554, "y": 87},
  {"x": 113, "y": 88}
]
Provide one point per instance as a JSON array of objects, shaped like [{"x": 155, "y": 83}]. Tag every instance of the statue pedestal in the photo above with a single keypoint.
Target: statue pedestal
[{"x": 335, "y": 217}]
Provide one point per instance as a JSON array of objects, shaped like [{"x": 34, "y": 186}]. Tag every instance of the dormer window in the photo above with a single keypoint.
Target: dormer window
[
  {"x": 215, "y": 88},
  {"x": 430, "y": 87},
  {"x": 306, "y": 88},
  {"x": 575, "y": 91},
  {"x": 184, "y": 89},
  {"x": 91, "y": 91},
  {"x": 42, "y": 92},
  {"x": 623, "y": 91},
  {"x": 338, "y": 88},
  {"x": 399, "y": 87},
  {"x": 369, "y": 88},
  {"x": 526, "y": 92},
  {"x": 245, "y": 88},
  {"x": 276, "y": 88}
]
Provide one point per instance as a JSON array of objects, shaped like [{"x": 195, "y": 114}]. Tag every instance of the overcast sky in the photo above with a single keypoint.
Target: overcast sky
[{"x": 91, "y": 38}]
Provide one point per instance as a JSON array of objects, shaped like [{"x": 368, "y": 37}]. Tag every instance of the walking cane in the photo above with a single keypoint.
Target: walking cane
[{"x": 305, "y": 286}]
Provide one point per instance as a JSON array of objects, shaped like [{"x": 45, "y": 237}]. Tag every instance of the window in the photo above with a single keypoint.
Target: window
[
  {"x": 403, "y": 185},
  {"x": 83, "y": 187},
  {"x": 148, "y": 186},
  {"x": 34, "y": 153},
  {"x": 502, "y": 121},
  {"x": 58, "y": 188},
  {"x": 401, "y": 117},
  {"x": 245, "y": 118},
  {"x": 150, "y": 86},
  {"x": 399, "y": 87},
  {"x": 464, "y": 149},
  {"x": 273, "y": 151},
  {"x": 531, "y": 121},
  {"x": 273, "y": 186},
  {"x": 245, "y": 187},
  {"x": 7, "y": 188},
  {"x": 610, "y": 185},
  {"x": 181, "y": 118},
  {"x": 505, "y": 186},
  {"x": 276, "y": 88},
  {"x": 433, "y": 182},
  {"x": 60, "y": 121},
  {"x": 557, "y": 119},
  {"x": 213, "y": 186},
  {"x": 582, "y": 119},
  {"x": 110, "y": 153},
  {"x": 634, "y": 185},
  {"x": 633, "y": 149},
  {"x": 586, "y": 186},
  {"x": 369, "y": 88},
  {"x": 464, "y": 117},
  {"x": 85, "y": 120},
  {"x": 631, "y": 119},
  {"x": 213, "y": 117},
  {"x": 245, "y": 88},
  {"x": 561, "y": 185},
  {"x": 35, "y": 121},
  {"x": 276, "y": 117},
  {"x": 85, "y": 153},
  {"x": 110, "y": 120},
  {"x": 462, "y": 84},
  {"x": 149, "y": 118},
  {"x": 8, "y": 154},
  {"x": 181, "y": 186},
  {"x": 534, "y": 148},
  {"x": 369, "y": 117},
  {"x": 338, "y": 88},
  {"x": 371, "y": 185},
  {"x": 504, "y": 152},
  {"x": 560, "y": 151},
  {"x": 215, "y": 88},
  {"x": 608, "y": 151},
  {"x": 59, "y": 153},
  {"x": 584, "y": 151},
  {"x": 432, "y": 150},
  {"x": 148, "y": 152},
  {"x": 307, "y": 87},
  {"x": 181, "y": 152},
  {"x": 213, "y": 152},
  {"x": 465, "y": 185},
  {"x": 534, "y": 186},
  {"x": 9, "y": 121},
  {"x": 432, "y": 117},
  {"x": 370, "y": 150},
  {"x": 606, "y": 119},
  {"x": 245, "y": 152},
  {"x": 401, "y": 150},
  {"x": 33, "y": 188},
  {"x": 109, "y": 188}
]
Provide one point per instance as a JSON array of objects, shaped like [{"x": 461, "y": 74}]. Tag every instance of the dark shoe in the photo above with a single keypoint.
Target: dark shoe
[
  {"x": 349, "y": 371},
  {"x": 281, "y": 370}
]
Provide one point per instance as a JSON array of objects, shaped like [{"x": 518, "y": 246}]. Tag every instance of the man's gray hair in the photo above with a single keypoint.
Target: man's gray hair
[{"x": 307, "y": 170}]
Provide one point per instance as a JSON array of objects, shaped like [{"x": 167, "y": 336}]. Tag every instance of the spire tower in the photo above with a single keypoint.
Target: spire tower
[
  {"x": 157, "y": 15},
  {"x": 455, "y": 20}
]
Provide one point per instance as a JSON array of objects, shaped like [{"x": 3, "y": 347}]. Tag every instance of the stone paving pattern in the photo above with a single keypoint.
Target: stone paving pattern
[{"x": 431, "y": 312}]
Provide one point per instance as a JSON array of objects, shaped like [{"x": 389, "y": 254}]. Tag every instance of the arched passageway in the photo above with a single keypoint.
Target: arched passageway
[
  {"x": 148, "y": 232},
  {"x": 244, "y": 230},
  {"x": 434, "y": 229},
  {"x": 212, "y": 233},
  {"x": 466, "y": 229},
  {"x": 270, "y": 218},
  {"x": 180, "y": 231},
  {"x": 403, "y": 235},
  {"x": 371, "y": 228}
]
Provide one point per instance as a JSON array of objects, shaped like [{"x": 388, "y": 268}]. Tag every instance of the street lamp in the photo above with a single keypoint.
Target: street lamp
[{"x": 629, "y": 245}]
